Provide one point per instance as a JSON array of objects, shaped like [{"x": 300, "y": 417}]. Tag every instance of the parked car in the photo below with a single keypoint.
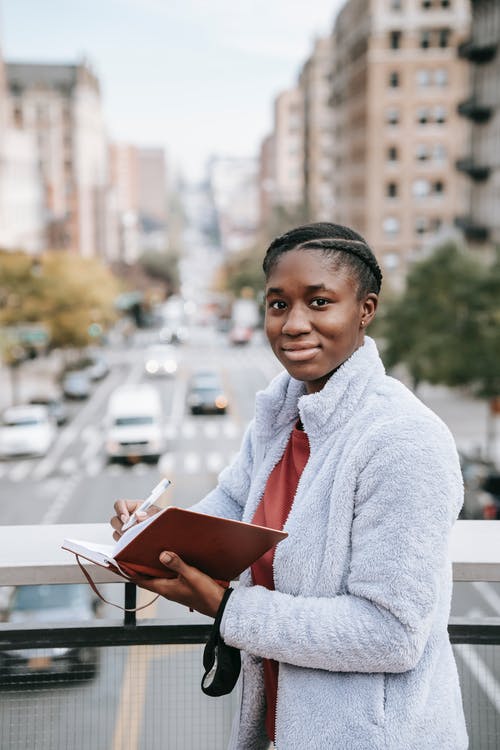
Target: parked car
[
  {"x": 481, "y": 488},
  {"x": 56, "y": 407},
  {"x": 76, "y": 384},
  {"x": 240, "y": 335},
  {"x": 98, "y": 367},
  {"x": 134, "y": 424},
  {"x": 26, "y": 431},
  {"x": 161, "y": 360},
  {"x": 205, "y": 394},
  {"x": 43, "y": 604}
]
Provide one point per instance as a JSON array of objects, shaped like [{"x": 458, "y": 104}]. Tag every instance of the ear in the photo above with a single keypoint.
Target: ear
[{"x": 368, "y": 309}]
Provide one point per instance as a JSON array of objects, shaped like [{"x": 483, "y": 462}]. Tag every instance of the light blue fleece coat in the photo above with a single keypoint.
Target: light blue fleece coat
[{"x": 359, "y": 617}]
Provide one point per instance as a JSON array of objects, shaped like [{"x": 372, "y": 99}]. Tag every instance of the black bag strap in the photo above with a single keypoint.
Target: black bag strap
[{"x": 222, "y": 663}]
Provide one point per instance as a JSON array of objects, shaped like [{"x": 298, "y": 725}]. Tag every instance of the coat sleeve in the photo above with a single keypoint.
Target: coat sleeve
[
  {"x": 230, "y": 495},
  {"x": 408, "y": 496}
]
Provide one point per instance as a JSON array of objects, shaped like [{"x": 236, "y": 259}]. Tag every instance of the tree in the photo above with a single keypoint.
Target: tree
[
  {"x": 71, "y": 296},
  {"x": 445, "y": 327},
  {"x": 242, "y": 270},
  {"x": 163, "y": 266}
]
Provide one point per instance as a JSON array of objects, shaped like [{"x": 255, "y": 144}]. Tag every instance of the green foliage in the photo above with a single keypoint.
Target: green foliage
[
  {"x": 445, "y": 327},
  {"x": 64, "y": 292},
  {"x": 241, "y": 271}
]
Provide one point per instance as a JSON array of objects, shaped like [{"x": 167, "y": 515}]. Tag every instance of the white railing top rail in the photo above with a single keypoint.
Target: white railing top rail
[{"x": 33, "y": 554}]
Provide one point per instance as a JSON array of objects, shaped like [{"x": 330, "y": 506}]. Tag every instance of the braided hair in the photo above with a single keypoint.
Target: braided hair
[{"x": 347, "y": 247}]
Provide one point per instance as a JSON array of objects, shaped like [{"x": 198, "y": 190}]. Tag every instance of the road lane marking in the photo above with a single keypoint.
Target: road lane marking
[
  {"x": 55, "y": 509},
  {"x": 188, "y": 430},
  {"x": 214, "y": 462},
  {"x": 479, "y": 669},
  {"x": 69, "y": 465},
  {"x": 489, "y": 594},
  {"x": 130, "y": 710},
  {"x": 192, "y": 463},
  {"x": 20, "y": 471}
]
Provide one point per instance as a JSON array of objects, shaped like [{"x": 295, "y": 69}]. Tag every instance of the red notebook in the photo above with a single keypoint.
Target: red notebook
[{"x": 220, "y": 547}]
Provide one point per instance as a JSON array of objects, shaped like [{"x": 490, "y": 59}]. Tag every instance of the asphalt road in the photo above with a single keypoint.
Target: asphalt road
[{"x": 142, "y": 695}]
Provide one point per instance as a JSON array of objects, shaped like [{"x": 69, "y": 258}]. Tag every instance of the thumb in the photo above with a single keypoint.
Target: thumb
[{"x": 171, "y": 560}]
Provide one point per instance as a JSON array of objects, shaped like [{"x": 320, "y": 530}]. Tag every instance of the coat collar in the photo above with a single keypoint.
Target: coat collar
[{"x": 285, "y": 398}]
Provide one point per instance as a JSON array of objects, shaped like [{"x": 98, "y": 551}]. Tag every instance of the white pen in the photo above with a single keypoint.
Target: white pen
[{"x": 148, "y": 502}]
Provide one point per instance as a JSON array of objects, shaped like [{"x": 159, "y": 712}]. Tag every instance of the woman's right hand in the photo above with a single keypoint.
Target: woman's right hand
[{"x": 123, "y": 510}]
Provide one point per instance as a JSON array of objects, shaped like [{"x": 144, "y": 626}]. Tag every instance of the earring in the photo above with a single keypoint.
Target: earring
[{"x": 362, "y": 323}]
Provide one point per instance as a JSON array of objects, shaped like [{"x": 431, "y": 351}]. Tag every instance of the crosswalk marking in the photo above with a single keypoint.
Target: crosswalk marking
[{"x": 91, "y": 461}]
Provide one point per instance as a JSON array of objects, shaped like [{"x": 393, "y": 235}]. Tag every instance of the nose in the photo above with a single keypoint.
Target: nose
[{"x": 297, "y": 321}]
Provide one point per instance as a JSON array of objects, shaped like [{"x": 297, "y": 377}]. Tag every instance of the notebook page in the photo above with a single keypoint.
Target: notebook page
[{"x": 131, "y": 533}]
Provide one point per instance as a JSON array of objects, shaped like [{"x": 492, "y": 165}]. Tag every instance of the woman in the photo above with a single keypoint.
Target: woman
[{"x": 344, "y": 632}]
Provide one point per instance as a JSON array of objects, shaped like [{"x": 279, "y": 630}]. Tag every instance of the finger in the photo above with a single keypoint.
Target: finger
[
  {"x": 125, "y": 507},
  {"x": 173, "y": 562}
]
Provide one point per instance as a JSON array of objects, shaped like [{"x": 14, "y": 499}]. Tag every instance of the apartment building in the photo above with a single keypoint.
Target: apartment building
[
  {"x": 288, "y": 131},
  {"x": 60, "y": 106},
  {"x": 480, "y": 159},
  {"x": 314, "y": 82},
  {"x": 21, "y": 200},
  {"x": 233, "y": 183},
  {"x": 396, "y": 83}
]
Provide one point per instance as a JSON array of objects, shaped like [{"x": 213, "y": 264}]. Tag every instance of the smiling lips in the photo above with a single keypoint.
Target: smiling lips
[{"x": 300, "y": 352}]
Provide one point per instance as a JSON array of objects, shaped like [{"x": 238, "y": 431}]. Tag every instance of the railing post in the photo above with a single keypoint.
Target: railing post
[{"x": 130, "y": 603}]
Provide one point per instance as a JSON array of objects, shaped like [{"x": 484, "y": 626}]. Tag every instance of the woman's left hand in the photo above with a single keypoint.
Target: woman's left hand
[{"x": 188, "y": 586}]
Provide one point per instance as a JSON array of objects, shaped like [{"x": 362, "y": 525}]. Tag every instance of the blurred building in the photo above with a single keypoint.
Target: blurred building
[
  {"x": 289, "y": 148},
  {"x": 396, "y": 84},
  {"x": 314, "y": 82},
  {"x": 233, "y": 185},
  {"x": 480, "y": 158},
  {"x": 60, "y": 107},
  {"x": 139, "y": 181},
  {"x": 21, "y": 200}
]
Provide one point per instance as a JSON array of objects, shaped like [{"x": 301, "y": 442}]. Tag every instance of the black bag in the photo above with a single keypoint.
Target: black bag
[{"x": 222, "y": 663}]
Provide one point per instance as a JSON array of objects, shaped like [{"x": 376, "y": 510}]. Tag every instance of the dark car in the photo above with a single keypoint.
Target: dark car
[
  {"x": 481, "y": 488},
  {"x": 56, "y": 407},
  {"x": 76, "y": 384},
  {"x": 205, "y": 394},
  {"x": 43, "y": 605}
]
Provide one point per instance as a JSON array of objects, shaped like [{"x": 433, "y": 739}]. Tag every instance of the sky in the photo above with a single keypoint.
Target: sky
[{"x": 197, "y": 77}]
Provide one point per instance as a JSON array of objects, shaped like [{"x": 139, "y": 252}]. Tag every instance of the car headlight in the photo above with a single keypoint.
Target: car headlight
[
  {"x": 221, "y": 402},
  {"x": 112, "y": 446},
  {"x": 152, "y": 366},
  {"x": 170, "y": 366}
]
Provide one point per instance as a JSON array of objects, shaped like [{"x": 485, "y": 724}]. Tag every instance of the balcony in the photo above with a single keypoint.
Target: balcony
[
  {"x": 471, "y": 229},
  {"x": 474, "y": 111},
  {"x": 146, "y": 693},
  {"x": 477, "y": 172},
  {"x": 476, "y": 52}
]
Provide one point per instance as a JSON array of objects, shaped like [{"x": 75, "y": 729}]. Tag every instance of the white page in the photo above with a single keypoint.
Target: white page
[{"x": 134, "y": 531}]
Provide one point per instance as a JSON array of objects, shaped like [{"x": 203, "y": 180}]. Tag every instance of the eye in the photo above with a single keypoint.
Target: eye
[
  {"x": 277, "y": 304},
  {"x": 319, "y": 302}
]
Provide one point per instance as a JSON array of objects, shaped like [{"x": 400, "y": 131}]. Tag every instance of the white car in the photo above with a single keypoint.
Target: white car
[
  {"x": 26, "y": 431},
  {"x": 161, "y": 360},
  {"x": 134, "y": 424}
]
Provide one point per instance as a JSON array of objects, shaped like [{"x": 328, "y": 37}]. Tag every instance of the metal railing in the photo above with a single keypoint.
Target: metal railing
[{"x": 146, "y": 694}]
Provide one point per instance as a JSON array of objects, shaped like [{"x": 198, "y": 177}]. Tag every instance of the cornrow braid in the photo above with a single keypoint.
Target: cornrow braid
[{"x": 348, "y": 247}]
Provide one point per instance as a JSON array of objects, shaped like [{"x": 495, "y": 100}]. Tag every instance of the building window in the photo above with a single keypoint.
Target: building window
[
  {"x": 420, "y": 224},
  {"x": 392, "y": 116},
  {"x": 425, "y": 39},
  {"x": 444, "y": 37},
  {"x": 438, "y": 187},
  {"x": 426, "y": 4},
  {"x": 396, "y": 4},
  {"x": 420, "y": 188},
  {"x": 392, "y": 153},
  {"x": 423, "y": 77},
  {"x": 441, "y": 77},
  {"x": 440, "y": 115},
  {"x": 421, "y": 152},
  {"x": 445, "y": 3},
  {"x": 391, "y": 225},
  {"x": 422, "y": 116},
  {"x": 392, "y": 190},
  {"x": 439, "y": 152},
  {"x": 394, "y": 79},
  {"x": 395, "y": 39}
]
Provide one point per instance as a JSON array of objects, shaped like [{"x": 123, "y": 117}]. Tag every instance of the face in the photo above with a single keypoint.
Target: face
[{"x": 314, "y": 319}]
